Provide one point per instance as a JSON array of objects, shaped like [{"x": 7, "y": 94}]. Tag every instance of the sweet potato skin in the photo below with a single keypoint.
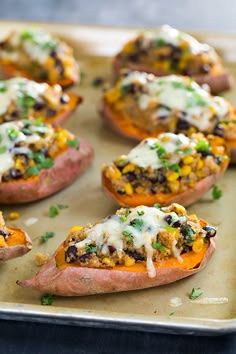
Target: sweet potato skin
[
  {"x": 217, "y": 83},
  {"x": 7, "y": 253},
  {"x": 78, "y": 281},
  {"x": 185, "y": 198},
  {"x": 67, "y": 167}
]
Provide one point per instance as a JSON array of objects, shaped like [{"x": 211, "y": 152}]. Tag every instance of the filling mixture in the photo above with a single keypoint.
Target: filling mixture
[
  {"x": 171, "y": 51},
  {"x": 40, "y": 54},
  {"x": 171, "y": 163},
  {"x": 4, "y": 232},
  {"x": 142, "y": 234},
  {"x": 172, "y": 103},
  {"x": 21, "y": 98},
  {"x": 28, "y": 146}
]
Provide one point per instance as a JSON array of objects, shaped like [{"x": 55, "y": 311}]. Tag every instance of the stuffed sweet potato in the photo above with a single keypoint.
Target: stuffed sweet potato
[
  {"x": 133, "y": 249},
  {"x": 21, "y": 98},
  {"x": 142, "y": 105},
  {"x": 38, "y": 160},
  {"x": 169, "y": 51},
  {"x": 167, "y": 169},
  {"x": 36, "y": 54},
  {"x": 13, "y": 242}
]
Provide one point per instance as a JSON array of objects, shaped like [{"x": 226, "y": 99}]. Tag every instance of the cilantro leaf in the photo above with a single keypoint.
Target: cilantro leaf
[
  {"x": 137, "y": 224},
  {"x": 3, "y": 149},
  {"x": 91, "y": 248},
  {"x": 195, "y": 293},
  {"x": 157, "y": 205},
  {"x": 216, "y": 192},
  {"x": 129, "y": 235},
  {"x": 158, "y": 246},
  {"x": 203, "y": 146},
  {"x": 47, "y": 299},
  {"x": 53, "y": 211},
  {"x": 73, "y": 142},
  {"x": 47, "y": 235},
  {"x": 140, "y": 213}
]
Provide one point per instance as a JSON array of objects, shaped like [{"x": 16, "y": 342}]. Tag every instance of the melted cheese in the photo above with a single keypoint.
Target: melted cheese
[
  {"x": 174, "y": 37},
  {"x": 143, "y": 155},
  {"x": 178, "y": 93},
  {"x": 19, "y": 87},
  {"x": 109, "y": 232},
  {"x": 7, "y": 156}
]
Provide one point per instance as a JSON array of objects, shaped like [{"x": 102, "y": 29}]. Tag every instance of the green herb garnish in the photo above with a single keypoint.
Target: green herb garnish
[
  {"x": 124, "y": 90},
  {"x": 171, "y": 314},
  {"x": 3, "y": 149},
  {"x": 161, "y": 151},
  {"x": 3, "y": 87},
  {"x": 195, "y": 100},
  {"x": 47, "y": 235},
  {"x": 53, "y": 211},
  {"x": 91, "y": 248},
  {"x": 203, "y": 146},
  {"x": 160, "y": 43},
  {"x": 137, "y": 224},
  {"x": 129, "y": 235},
  {"x": 123, "y": 218},
  {"x": 187, "y": 232},
  {"x": 12, "y": 133},
  {"x": 47, "y": 299},
  {"x": 195, "y": 293},
  {"x": 140, "y": 213},
  {"x": 62, "y": 206},
  {"x": 157, "y": 205},
  {"x": 74, "y": 142},
  {"x": 216, "y": 192},
  {"x": 158, "y": 246},
  {"x": 178, "y": 85}
]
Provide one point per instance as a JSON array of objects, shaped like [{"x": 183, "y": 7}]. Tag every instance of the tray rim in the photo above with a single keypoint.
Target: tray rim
[{"x": 90, "y": 318}]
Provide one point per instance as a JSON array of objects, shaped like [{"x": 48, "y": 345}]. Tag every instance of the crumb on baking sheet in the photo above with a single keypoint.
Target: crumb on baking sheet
[{"x": 41, "y": 259}]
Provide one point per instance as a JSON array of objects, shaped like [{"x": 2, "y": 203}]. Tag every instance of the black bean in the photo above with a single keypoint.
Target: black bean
[
  {"x": 15, "y": 173},
  {"x": 133, "y": 57},
  {"x": 53, "y": 54},
  {"x": 205, "y": 68},
  {"x": 59, "y": 65},
  {"x": 130, "y": 176},
  {"x": 182, "y": 124},
  {"x": 51, "y": 112},
  {"x": 15, "y": 114},
  {"x": 71, "y": 253},
  {"x": 188, "y": 72},
  {"x": 161, "y": 178},
  {"x": 154, "y": 179},
  {"x": 98, "y": 81},
  {"x": 38, "y": 106},
  {"x": 136, "y": 255},
  {"x": 176, "y": 223},
  {"x": 43, "y": 75},
  {"x": 210, "y": 231},
  {"x": 3, "y": 233},
  {"x": 85, "y": 257},
  {"x": 111, "y": 249},
  {"x": 64, "y": 99},
  {"x": 168, "y": 219},
  {"x": 121, "y": 191},
  {"x": 204, "y": 153},
  {"x": 219, "y": 131}
]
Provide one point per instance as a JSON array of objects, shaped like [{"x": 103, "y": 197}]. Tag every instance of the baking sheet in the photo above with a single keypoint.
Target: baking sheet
[{"x": 146, "y": 310}]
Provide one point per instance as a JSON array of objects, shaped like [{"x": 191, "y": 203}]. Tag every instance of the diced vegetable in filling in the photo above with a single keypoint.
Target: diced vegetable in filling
[
  {"x": 43, "y": 56},
  {"x": 28, "y": 146},
  {"x": 171, "y": 51},
  {"x": 4, "y": 232},
  {"x": 171, "y": 163},
  {"x": 21, "y": 98},
  {"x": 138, "y": 235},
  {"x": 170, "y": 103}
]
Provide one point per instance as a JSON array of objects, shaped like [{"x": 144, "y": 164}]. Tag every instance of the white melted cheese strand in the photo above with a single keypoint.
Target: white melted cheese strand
[
  {"x": 16, "y": 88},
  {"x": 143, "y": 156},
  {"x": 109, "y": 232},
  {"x": 7, "y": 157},
  {"x": 178, "y": 93},
  {"x": 173, "y": 36}
]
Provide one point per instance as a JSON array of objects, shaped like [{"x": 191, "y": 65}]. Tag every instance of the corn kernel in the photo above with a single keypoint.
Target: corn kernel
[
  {"x": 119, "y": 105},
  {"x": 2, "y": 242},
  {"x": 178, "y": 209},
  {"x": 197, "y": 245},
  {"x": 108, "y": 262},
  {"x": 113, "y": 173},
  {"x": 139, "y": 190},
  {"x": 129, "y": 47},
  {"x": 13, "y": 216},
  {"x": 112, "y": 95},
  {"x": 174, "y": 186},
  {"x": 199, "y": 165},
  {"x": 191, "y": 131},
  {"x": 128, "y": 189},
  {"x": 165, "y": 138},
  {"x": 173, "y": 176},
  {"x": 76, "y": 228},
  {"x": 185, "y": 170},
  {"x": 19, "y": 164},
  {"x": 188, "y": 160},
  {"x": 128, "y": 168},
  {"x": 200, "y": 174},
  {"x": 129, "y": 261},
  {"x": 192, "y": 184}
]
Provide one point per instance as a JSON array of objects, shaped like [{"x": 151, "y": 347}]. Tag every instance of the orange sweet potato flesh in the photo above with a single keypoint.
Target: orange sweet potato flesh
[
  {"x": 218, "y": 82},
  {"x": 11, "y": 70},
  {"x": 63, "y": 279},
  {"x": 18, "y": 243},
  {"x": 68, "y": 166}
]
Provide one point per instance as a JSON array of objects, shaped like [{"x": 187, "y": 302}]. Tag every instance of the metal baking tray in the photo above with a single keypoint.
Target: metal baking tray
[{"x": 144, "y": 310}]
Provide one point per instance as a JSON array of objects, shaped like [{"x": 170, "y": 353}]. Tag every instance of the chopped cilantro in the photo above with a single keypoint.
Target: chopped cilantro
[
  {"x": 53, "y": 211},
  {"x": 137, "y": 224},
  {"x": 160, "y": 43},
  {"x": 216, "y": 192},
  {"x": 178, "y": 142},
  {"x": 129, "y": 235},
  {"x": 175, "y": 167},
  {"x": 41, "y": 163},
  {"x": 140, "y": 213},
  {"x": 62, "y": 206},
  {"x": 187, "y": 232},
  {"x": 161, "y": 151},
  {"x": 91, "y": 248},
  {"x": 33, "y": 170},
  {"x": 47, "y": 235},
  {"x": 203, "y": 146},
  {"x": 3, "y": 149},
  {"x": 178, "y": 85},
  {"x": 171, "y": 314},
  {"x": 158, "y": 246},
  {"x": 47, "y": 299},
  {"x": 188, "y": 151},
  {"x": 124, "y": 90},
  {"x": 195, "y": 293},
  {"x": 157, "y": 205},
  {"x": 3, "y": 87},
  {"x": 195, "y": 100},
  {"x": 123, "y": 218},
  {"x": 73, "y": 142},
  {"x": 12, "y": 133}
]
